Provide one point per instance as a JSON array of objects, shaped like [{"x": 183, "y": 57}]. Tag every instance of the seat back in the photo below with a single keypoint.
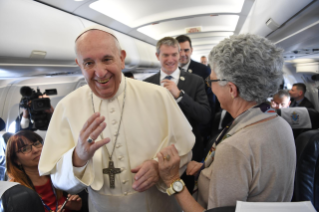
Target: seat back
[
  {"x": 223, "y": 209},
  {"x": 306, "y": 187},
  {"x": 20, "y": 198},
  {"x": 301, "y": 119}
]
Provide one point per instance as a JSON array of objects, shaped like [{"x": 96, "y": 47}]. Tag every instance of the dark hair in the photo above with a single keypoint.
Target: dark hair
[
  {"x": 184, "y": 38},
  {"x": 16, "y": 173},
  {"x": 18, "y": 140},
  {"x": 301, "y": 87}
]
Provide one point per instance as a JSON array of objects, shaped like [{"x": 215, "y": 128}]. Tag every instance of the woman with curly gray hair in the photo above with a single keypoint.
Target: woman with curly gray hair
[{"x": 253, "y": 159}]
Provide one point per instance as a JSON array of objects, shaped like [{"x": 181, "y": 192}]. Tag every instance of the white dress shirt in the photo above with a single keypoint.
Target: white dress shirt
[
  {"x": 185, "y": 67},
  {"x": 175, "y": 76}
]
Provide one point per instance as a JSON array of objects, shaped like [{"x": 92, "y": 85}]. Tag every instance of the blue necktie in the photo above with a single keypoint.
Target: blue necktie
[{"x": 168, "y": 77}]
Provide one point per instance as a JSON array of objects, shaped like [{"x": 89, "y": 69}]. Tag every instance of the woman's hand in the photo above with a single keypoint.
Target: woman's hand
[
  {"x": 74, "y": 203},
  {"x": 168, "y": 164},
  {"x": 193, "y": 168}
]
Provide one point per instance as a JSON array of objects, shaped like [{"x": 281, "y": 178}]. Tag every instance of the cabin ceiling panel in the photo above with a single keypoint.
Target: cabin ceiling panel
[
  {"x": 67, "y": 5},
  {"x": 177, "y": 27},
  {"x": 262, "y": 10},
  {"x": 210, "y": 34},
  {"x": 57, "y": 40},
  {"x": 141, "y": 12},
  {"x": 304, "y": 21}
]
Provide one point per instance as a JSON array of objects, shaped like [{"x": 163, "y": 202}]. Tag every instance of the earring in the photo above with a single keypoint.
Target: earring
[{"x": 232, "y": 97}]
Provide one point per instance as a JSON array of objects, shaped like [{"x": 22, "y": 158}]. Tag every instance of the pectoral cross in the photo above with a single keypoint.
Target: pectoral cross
[{"x": 111, "y": 171}]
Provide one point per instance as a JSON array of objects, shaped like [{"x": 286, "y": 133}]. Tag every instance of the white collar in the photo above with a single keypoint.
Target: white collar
[
  {"x": 185, "y": 67},
  {"x": 175, "y": 74}
]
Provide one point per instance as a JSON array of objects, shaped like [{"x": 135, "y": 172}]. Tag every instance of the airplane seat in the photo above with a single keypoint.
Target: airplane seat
[
  {"x": 301, "y": 119},
  {"x": 20, "y": 198},
  {"x": 306, "y": 186},
  {"x": 223, "y": 209},
  {"x": 3, "y": 176}
]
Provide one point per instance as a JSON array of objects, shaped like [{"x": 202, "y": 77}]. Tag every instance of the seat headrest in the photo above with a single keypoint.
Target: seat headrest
[
  {"x": 2, "y": 124},
  {"x": 297, "y": 117}
]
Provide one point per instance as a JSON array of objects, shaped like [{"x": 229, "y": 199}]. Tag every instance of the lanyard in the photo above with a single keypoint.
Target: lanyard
[
  {"x": 264, "y": 107},
  {"x": 56, "y": 198}
]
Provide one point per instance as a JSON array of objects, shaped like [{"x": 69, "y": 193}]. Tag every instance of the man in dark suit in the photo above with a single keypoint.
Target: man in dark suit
[
  {"x": 188, "y": 90},
  {"x": 297, "y": 92},
  {"x": 185, "y": 61},
  {"x": 190, "y": 66}
]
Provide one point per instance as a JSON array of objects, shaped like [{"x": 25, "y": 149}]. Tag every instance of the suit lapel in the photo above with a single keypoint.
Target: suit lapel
[
  {"x": 190, "y": 67},
  {"x": 182, "y": 80},
  {"x": 157, "y": 78}
]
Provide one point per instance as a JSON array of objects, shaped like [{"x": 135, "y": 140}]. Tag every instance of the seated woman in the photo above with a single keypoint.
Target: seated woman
[
  {"x": 254, "y": 157},
  {"x": 22, "y": 155}
]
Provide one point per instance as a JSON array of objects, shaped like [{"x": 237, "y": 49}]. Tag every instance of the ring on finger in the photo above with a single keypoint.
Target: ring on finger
[
  {"x": 167, "y": 157},
  {"x": 89, "y": 140}
]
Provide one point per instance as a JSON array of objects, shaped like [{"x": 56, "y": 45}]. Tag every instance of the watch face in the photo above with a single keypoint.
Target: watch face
[{"x": 178, "y": 186}]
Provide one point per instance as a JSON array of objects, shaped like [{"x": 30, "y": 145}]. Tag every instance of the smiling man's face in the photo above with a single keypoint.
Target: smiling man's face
[{"x": 101, "y": 62}]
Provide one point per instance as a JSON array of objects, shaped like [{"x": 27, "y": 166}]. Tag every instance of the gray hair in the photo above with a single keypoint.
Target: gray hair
[
  {"x": 282, "y": 93},
  {"x": 167, "y": 41},
  {"x": 251, "y": 62}
]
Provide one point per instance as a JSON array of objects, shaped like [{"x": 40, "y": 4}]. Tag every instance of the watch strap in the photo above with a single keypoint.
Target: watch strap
[{"x": 170, "y": 191}]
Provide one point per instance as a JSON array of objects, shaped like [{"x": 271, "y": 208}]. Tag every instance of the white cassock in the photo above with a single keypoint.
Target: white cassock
[{"x": 151, "y": 121}]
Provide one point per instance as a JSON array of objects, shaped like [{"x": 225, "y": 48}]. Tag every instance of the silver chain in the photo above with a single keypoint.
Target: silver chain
[{"x": 118, "y": 129}]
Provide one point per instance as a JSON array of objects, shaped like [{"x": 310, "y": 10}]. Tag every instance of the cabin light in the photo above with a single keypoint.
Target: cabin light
[
  {"x": 213, "y": 15},
  {"x": 129, "y": 14},
  {"x": 155, "y": 23}
]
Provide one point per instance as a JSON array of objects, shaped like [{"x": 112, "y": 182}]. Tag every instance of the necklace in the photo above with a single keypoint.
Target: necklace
[{"x": 111, "y": 170}]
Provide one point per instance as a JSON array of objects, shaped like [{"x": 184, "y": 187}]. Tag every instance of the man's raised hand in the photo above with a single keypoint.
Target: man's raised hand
[{"x": 84, "y": 150}]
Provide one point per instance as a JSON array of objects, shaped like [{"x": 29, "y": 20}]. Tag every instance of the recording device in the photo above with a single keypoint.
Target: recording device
[{"x": 37, "y": 106}]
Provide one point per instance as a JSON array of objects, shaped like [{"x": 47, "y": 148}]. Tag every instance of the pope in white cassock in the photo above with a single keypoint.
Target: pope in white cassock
[{"x": 105, "y": 136}]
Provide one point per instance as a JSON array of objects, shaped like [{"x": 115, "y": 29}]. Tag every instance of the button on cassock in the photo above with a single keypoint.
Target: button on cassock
[
  {"x": 114, "y": 122},
  {"x": 120, "y": 157},
  {"x": 125, "y": 193},
  {"x": 112, "y": 110}
]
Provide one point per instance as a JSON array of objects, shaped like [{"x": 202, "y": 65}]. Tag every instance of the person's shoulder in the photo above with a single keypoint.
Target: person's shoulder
[
  {"x": 152, "y": 78},
  {"x": 198, "y": 65},
  {"x": 193, "y": 77},
  {"x": 145, "y": 87}
]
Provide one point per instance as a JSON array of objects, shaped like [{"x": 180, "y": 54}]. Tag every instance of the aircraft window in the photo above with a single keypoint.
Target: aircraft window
[{"x": 12, "y": 127}]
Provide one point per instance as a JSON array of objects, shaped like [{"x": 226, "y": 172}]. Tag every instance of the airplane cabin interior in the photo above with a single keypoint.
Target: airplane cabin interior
[{"x": 37, "y": 40}]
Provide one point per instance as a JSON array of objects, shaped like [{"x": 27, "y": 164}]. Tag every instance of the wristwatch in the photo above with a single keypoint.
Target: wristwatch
[{"x": 176, "y": 187}]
